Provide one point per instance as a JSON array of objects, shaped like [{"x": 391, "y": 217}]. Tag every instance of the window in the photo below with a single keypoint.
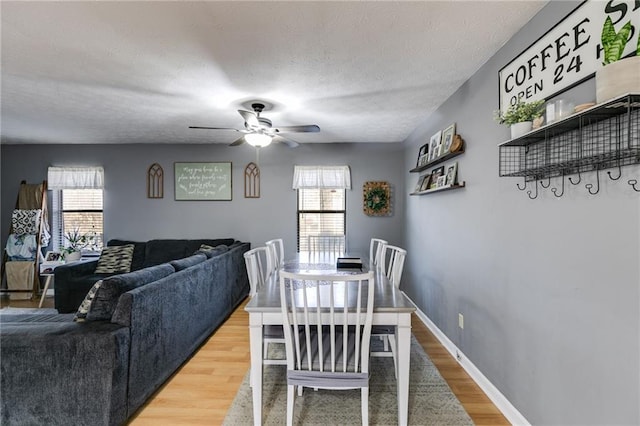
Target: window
[
  {"x": 77, "y": 205},
  {"x": 320, "y": 211},
  {"x": 321, "y": 201},
  {"x": 80, "y": 209}
]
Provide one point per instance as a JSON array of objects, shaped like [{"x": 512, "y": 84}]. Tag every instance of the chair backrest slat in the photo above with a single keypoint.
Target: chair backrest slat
[
  {"x": 393, "y": 267},
  {"x": 275, "y": 255},
  {"x": 255, "y": 261},
  {"x": 327, "y": 244},
  {"x": 318, "y": 307},
  {"x": 376, "y": 248}
]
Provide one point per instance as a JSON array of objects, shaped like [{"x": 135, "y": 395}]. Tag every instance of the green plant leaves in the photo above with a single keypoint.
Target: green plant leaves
[
  {"x": 521, "y": 111},
  {"x": 613, "y": 43}
]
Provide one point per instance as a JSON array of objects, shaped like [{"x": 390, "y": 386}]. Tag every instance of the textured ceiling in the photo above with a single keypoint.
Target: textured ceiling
[{"x": 142, "y": 72}]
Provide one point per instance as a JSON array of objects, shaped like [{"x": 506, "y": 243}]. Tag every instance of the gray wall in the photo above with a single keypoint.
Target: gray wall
[
  {"x": 549, "y": 288},
  {"x": 130, "y": 214}
]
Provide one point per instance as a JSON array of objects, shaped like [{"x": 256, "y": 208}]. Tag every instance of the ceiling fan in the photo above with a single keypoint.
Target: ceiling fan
[{"x": 259, "y": 131}]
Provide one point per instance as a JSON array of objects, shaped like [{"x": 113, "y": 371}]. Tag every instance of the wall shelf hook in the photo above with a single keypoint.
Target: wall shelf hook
[
  {"x": 524, "y": 180},
  {"x": 548, "y": 183},
  {"x": 529, "y": 192},
  {"x": 579, "y": 179},
  {"x": 619, "y": 173},
  {"x": 555, "y": 190},
  {"x": 589, "y": 186},
  {"x": 633, "y": 183}
]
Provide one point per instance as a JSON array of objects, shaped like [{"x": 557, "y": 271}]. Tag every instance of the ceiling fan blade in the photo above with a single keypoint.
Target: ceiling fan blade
[
  {"x": 289, "y": 142},
  {"x": 310, "y": 128},
  {"x": 218, "y": 128},
  {"x": 238, "y": 141},
  {"x": 250, "y": 118}
]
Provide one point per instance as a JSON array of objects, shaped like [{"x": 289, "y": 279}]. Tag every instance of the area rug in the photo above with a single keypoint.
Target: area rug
[
  {"x": 10, "y": 310},
  {"x": 431, "y": 401}
]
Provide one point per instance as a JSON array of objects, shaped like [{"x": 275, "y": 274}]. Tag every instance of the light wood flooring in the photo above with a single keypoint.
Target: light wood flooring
[{"x": 202, "y": 390}]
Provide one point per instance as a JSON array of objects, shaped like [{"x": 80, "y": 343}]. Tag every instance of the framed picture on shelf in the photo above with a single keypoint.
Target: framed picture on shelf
[
  {"x": 452, "y": 174},
  {"x": 53, "y": 256},
  {"x": 435, "y": 174},
  {"x": 447, "y": 138},
  {"x": 442, "y": 182},
  {"x": 422, "y": 155},
  {"x": 434, "y": 145},
  {"x": 425, "y": 183},
  {"x": 419, "y": 183}
]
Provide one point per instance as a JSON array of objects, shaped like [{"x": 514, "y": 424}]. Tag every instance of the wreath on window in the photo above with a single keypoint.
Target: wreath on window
[{"x": 376, "y": 198}]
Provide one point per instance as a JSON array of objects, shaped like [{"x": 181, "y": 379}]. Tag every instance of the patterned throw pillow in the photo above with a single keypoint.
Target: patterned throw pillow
[
  {"x": 115, "y": 260},
  {"x": 85, "y": 306},
  {"x": 25, "y": 221}
]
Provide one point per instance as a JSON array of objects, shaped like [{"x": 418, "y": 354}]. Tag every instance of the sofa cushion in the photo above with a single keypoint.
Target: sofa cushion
[
  {"x": 83, "y": 310},
  {"x": 138, "y": 251},
  {"x": 212, "y": 251},
  {"x": 115, "y": 259},
  {"x": 106, "y": 298},
  {"x": 162, "y": 251},
  {"x": 181, "y": 264}
]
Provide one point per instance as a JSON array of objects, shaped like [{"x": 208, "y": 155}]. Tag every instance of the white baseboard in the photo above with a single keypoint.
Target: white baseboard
[{"x": 498, "y": 399}]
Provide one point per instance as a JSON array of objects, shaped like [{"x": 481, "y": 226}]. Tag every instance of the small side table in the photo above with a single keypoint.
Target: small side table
[{"x": 47, "y": 283}]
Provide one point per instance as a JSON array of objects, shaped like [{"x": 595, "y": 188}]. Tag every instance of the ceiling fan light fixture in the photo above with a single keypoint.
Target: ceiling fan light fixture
[{"x": 258, "y": 140}]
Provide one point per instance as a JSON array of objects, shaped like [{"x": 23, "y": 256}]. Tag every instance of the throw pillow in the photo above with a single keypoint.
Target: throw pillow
[
  {"x": 25, "y": 221},
  {"x": 115, "y": 260},
  {"x": 85, "y": 306}
]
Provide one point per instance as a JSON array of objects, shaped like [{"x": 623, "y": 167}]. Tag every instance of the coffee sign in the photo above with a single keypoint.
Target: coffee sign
[{"x": 567, "y": 54}]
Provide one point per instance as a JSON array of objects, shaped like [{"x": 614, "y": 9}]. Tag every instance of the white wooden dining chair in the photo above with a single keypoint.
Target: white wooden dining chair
[
  {"x": 375, "y": 251},
  {"x": 327, "y": 342},
  {"x": 275, "y": 255},
  {"x": 336, "y": 244},
  {"x": 256, "y": 263},
  {"x": 391, "y": 263}
]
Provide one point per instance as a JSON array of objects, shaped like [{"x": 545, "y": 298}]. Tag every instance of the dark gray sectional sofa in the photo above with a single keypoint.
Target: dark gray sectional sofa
[
  {"x": 73, "y": 281},
  {"x": 55, "y": 371}
]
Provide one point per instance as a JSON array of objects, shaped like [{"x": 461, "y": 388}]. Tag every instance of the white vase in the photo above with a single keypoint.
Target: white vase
[
  {"x": 618, "y": 78},
  {"x": 73, "y": 256},
  {"x": 519, "y": 129}
]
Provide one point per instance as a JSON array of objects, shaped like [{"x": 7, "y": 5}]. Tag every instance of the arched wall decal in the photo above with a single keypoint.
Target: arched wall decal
[
  {"x": 252, "y": 181},
  {"x": 155, "y": 181}
]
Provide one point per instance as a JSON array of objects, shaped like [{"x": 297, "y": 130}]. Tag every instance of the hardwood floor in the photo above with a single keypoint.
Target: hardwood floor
[{"x": 202, "y": 390}]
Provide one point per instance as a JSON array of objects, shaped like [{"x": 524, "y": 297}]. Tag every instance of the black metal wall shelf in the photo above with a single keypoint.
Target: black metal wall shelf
[
  {"x": 444, "y": 188},
  {"x": 438, "y": 160},
  {"x": 602, "y": 137}
]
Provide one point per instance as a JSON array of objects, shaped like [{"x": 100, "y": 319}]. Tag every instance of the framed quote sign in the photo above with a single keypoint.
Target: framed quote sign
[
  {"x": 568, "y": 54},
  {"x": 203, "y": 181}
]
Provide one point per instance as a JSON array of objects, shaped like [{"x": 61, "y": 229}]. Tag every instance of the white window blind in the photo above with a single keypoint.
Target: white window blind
[
  {"x": 327, "y": 177},
  {"x": 320, "y": 212}
]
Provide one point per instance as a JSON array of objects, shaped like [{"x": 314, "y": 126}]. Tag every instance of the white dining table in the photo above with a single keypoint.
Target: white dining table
[{"x": 391, "y": 308}]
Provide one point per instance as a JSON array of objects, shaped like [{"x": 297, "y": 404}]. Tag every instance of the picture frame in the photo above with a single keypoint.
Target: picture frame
[
  {"x": 435, "y": 174},
  {"x": 425, "y": 183},
  {"x": 203, "y": 181},
  {"x": 422, "y": 155},
  {"x": 441, "y": 182},
  {"x": 434, "y": 145},
  {"x": 447, "y": 138},
  {"x": 53, "y": 256},
  {"x": 452, "y": 174},
  {"x": 419, "y": 183}
]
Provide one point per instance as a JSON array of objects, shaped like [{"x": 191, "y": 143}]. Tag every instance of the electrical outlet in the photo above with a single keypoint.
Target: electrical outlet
[{"x": 460, "y": 321}]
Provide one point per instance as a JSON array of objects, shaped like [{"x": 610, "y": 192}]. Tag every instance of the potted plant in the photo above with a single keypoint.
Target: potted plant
[
  {"x": 520, "y": 116},
  {"x": 76, "y": 241},
  {"x": 618, "y": 75}
]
